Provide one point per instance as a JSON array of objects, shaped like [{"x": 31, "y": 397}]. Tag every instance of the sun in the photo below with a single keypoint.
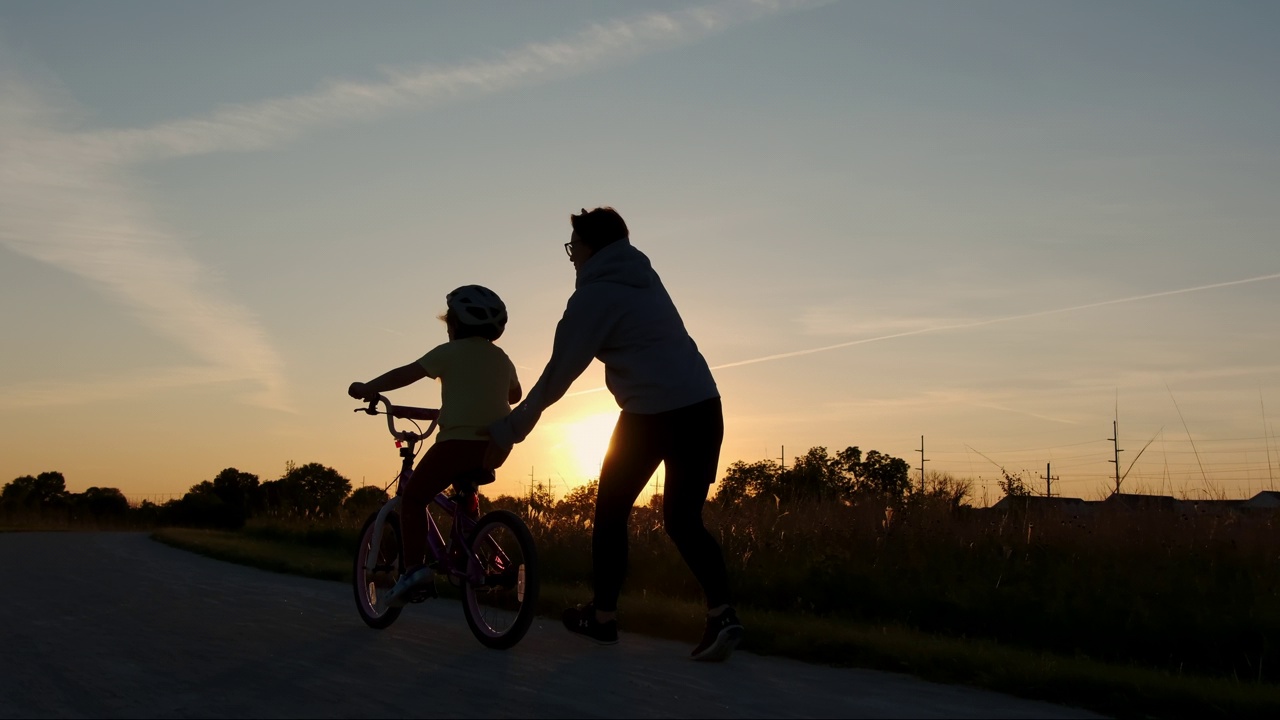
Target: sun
[{"x": 586, "y": 441}]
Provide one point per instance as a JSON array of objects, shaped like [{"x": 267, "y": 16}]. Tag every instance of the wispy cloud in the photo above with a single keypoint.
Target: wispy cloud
[
  {"x": 842, "y": 321},
  {"x": 973, "y": 324},
  {"x": 992, "y": 321},
  {"x": 76, "y": 210},
  {"x": 106, "y": 388},
  {"x": 66, "y": 198},
  {"x": 257, "y": 125}
]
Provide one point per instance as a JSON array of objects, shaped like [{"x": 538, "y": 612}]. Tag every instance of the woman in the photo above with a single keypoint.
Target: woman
[{"x": 621, "y": 314}]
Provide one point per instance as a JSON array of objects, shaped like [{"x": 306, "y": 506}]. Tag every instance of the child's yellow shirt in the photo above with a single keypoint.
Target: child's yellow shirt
[{"x": 476, "y": 378}]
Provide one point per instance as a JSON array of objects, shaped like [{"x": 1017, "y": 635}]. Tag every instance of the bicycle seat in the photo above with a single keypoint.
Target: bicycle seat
[{"x": 471, "y": 480}]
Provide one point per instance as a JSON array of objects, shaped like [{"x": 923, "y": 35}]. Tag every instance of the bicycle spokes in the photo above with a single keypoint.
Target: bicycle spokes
[{"x": 501, "y": 587}]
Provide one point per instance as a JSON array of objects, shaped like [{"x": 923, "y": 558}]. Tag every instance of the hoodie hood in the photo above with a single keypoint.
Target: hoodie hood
[{"x": 618, "y": 262}]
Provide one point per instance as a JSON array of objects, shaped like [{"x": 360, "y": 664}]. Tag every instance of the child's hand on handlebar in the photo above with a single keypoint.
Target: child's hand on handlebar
[{"x": 360, "y": 391}]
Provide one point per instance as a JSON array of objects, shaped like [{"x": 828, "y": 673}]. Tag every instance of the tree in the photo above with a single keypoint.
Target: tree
[
  {"x": 47, "y": 489},
  {"x": 885, "y": 476},
  {"x": 313, "y": 490},
  {"x": 509, "y": 503},
  {"x": 204, "y": 487},
  {"x": 103, "y": 502},
  {"x": 1013, "y": 485},
  {"x": 365, "y": 500},
  {"x": 201, "y": 508},
  {"x": 541, "y": 499},
  {"x": 578, "y": 508},
  {"x": 814, "y": 476},
  {"x": 876, "y": 475},
  {"x": 743, "y": 480},
  {"x": 240, "y": 490},
  {"x": 237, "y": 494},
  {"x": 817, "y": 475},
  {"x": 946, "y": 489}
]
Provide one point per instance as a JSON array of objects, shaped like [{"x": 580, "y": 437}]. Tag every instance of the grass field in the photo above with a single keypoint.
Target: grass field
[{"x": 1125, "y": 690}]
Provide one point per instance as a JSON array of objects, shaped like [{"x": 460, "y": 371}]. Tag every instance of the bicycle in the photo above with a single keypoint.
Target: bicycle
[{"x": 492, "y": 558}]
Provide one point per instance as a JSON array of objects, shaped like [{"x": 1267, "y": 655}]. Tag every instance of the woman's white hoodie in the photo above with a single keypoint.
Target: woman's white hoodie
[{"x": 621, "y": 314}]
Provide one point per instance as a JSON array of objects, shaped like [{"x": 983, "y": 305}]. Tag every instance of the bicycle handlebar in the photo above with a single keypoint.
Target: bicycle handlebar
[{"x": 402, "y": 411}]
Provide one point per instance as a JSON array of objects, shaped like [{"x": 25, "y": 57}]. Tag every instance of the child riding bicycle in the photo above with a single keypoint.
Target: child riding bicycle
[{"x": 478, "y": 386}]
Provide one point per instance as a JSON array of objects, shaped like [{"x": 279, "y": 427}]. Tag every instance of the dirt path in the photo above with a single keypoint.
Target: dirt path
[{"x": 116, "y": 625}]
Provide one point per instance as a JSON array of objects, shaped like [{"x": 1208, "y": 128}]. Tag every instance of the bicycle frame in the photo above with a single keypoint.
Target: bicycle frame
[{"x": 463, "y": 524}]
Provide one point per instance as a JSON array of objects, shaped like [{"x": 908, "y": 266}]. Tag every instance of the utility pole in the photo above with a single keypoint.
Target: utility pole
[
  {"x": 922, "y": 461},
  {"x": 1115, "y": 441},
  {"x": 783, "y": 458},
  {"x": 1048, "y": 481}
]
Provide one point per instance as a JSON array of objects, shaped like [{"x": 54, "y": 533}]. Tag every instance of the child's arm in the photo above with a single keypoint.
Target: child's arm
[
  {"x": 414, "y": 413},
  {"x": 390, "y": 380}
]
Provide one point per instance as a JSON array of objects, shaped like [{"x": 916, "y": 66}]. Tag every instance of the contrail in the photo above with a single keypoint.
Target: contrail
[
  {"x": 993, "y": 321},
  {"x": 66, "y": 199},
  {"x": 72, "y": 210},
  {"x": 253, "y": 126},
  {"x": 972, "y": 324}
]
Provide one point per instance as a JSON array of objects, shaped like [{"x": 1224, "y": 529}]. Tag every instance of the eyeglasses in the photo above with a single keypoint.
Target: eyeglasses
[{"x": 568, "y": 248}]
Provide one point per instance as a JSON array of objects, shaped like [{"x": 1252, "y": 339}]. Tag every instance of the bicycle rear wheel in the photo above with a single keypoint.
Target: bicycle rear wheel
[
  {"x": 500, "y": 598},
  {"x": 370, "y": 582}
]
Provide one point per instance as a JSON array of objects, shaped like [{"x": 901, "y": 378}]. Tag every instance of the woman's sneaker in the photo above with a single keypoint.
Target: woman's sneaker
[
  {"x": 720, "y": 638},
  {"x": 581, "y": 620}
]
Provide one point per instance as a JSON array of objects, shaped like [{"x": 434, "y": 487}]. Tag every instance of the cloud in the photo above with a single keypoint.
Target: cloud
[
  {"x": 66, "y": 198},
  {"x": 62, "y": 204},
  {"x": 103, "y": 389},
  {"x": 262, "y": 124},
  {"x": 992, "y": 321},
  {"x": 842, "y": 321}
]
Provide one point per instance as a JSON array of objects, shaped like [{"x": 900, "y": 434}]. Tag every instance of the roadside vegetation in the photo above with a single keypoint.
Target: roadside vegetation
[{"x": 838, "y": 559}]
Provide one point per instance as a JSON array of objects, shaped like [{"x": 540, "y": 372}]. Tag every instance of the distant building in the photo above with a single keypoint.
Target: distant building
[
  {"x": 1039, "y": 503},
  {"x": 1267, "y": 499},
  {"x": 1214, "y": 506},
  {"x": 1133, "y": 501}
]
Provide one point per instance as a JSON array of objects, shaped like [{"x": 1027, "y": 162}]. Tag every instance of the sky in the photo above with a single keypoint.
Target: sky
[{"x": 975, "y": 233}]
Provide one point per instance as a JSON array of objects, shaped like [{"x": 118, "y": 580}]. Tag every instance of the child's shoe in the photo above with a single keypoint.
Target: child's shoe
[{"x": 408, "y": 585}]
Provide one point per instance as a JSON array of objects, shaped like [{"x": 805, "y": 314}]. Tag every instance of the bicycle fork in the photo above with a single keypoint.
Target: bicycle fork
[{"x": 371, "y": 560}]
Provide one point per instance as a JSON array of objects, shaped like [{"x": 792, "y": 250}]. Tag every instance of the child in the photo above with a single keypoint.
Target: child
[{"x": 478, "y": 387}]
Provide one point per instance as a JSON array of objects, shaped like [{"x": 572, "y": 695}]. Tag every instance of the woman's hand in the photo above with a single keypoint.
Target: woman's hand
[{"x": 496, "y": 453}]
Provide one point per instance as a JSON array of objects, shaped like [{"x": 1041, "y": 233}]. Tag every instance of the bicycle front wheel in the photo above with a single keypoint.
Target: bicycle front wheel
[
  {"x": 373, "y": 581},
  {"x": 500, "y": 593}
]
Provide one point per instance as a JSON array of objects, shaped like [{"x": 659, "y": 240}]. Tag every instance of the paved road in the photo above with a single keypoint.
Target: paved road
[{"x": 116, "y": 625}]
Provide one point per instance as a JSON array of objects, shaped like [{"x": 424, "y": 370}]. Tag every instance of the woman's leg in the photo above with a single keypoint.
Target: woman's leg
[
  {"x": 630, "y": 461},
  {"x": 695, "y": 435}
]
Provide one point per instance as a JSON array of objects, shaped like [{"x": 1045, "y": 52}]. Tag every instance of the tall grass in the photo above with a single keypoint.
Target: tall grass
[{"x": 1181, "y": 592}]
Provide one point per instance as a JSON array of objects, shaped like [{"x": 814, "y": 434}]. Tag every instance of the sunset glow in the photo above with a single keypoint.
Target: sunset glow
[
  {"x": 586, "y": 442},
  {"x": 957, "y": 235}
]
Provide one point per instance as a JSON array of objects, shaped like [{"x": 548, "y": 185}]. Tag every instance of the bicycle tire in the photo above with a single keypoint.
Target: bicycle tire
[
  {"x": 388, "y": 568},
  {"x": 500, "y": 610}
]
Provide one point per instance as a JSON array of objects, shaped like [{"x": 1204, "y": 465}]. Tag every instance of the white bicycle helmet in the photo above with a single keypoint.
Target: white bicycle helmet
[{"x": 477, "y": 305}]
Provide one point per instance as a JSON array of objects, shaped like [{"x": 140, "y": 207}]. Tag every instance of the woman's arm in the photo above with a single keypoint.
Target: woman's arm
[{"x": 579, "y": 335}]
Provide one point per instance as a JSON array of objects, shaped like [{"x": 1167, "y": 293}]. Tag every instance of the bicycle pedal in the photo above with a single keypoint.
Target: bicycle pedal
[{"x": 423, "y": 594}]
